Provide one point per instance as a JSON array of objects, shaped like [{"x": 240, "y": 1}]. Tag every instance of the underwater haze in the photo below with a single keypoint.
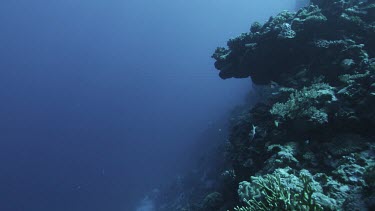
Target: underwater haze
[{"x": 103, "y": 101}]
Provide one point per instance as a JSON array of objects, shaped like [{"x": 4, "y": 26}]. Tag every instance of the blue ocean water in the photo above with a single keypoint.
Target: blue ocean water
[{"x": 102, "y": 101}]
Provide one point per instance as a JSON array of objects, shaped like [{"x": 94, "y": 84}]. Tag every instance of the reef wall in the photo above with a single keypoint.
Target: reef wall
[
  {"x": 310, "y": 146},
  {"x": 309, "y": 143}
]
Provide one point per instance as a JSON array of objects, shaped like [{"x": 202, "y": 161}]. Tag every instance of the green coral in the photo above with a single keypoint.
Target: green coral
[
  {"x": 275, "y": 194},
  {"x": 304, "y": 104}
]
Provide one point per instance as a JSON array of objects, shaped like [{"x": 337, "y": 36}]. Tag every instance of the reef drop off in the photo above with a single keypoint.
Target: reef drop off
[{"x": 309, "y": 145}]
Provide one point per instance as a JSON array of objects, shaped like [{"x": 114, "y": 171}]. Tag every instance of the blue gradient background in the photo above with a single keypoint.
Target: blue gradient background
[{"x": 102, "y": 101}]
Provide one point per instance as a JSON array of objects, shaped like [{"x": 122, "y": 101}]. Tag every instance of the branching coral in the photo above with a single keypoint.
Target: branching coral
[
  {"x": 305, "y": 103},
  {"x": 275, "y": 194}
]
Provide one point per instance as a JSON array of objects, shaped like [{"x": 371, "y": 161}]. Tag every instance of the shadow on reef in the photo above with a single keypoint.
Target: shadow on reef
[{"x": 310, "y": 144}]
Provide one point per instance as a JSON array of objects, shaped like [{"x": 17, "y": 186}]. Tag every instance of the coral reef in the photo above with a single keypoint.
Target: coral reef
[
  {"x": 292, "y": 47},
  {"x": 284, "y": 191},
  {"x": 320, "y": 118},
  {"x": 308, "y": 145}
]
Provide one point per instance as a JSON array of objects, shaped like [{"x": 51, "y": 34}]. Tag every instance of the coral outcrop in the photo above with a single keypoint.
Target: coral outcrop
[
  {"x": 320, "y": 118},
  {"x": 327, "y": 38}
]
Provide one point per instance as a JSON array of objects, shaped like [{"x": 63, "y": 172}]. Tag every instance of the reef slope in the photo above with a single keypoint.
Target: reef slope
[{"x": 310, "y": 145}]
